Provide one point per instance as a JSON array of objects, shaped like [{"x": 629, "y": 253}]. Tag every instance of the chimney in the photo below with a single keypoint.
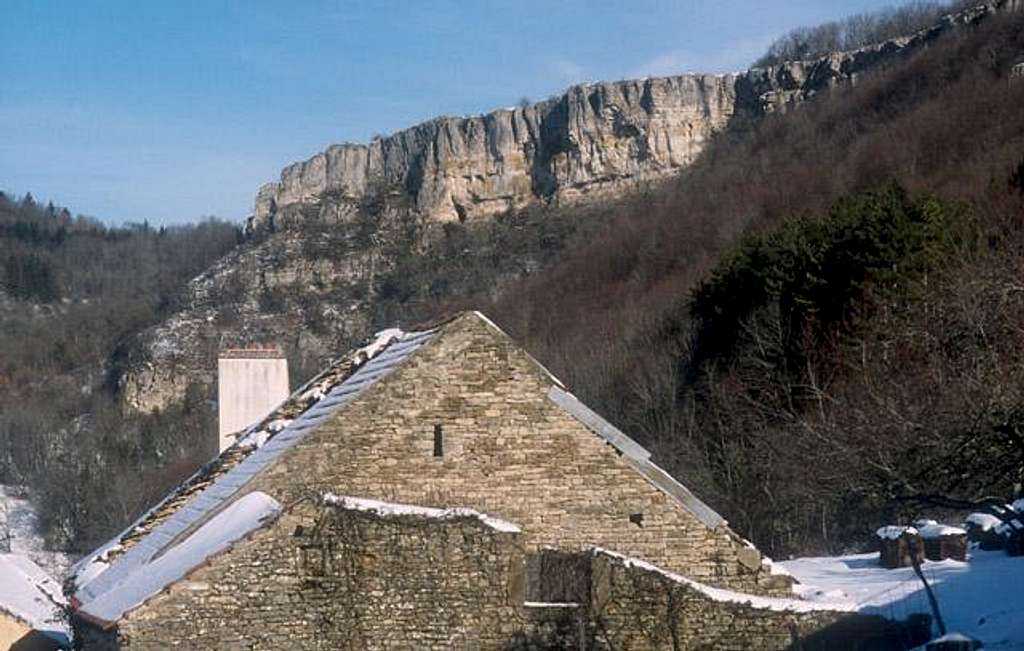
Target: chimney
[{"x": 251, "y": 382}]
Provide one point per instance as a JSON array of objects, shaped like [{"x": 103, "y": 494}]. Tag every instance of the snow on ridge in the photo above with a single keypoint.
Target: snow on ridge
[
  {"x": 939, "y": 530},
  {"x": 776, "y": 604},
  {"x": 381, "y": 340},
  {"x": 360, "y": 357},
  {"x": 892, "y": 532},
  {"x": 393, "y": 509},
  {"x": 983, "y": 521}
]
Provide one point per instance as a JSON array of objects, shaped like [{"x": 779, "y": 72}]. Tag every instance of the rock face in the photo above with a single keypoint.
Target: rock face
[{"x": 593, "y": 140}]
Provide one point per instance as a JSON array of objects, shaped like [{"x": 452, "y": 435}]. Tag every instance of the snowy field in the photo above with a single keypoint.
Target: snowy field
[{"x": 983, "y": 598}]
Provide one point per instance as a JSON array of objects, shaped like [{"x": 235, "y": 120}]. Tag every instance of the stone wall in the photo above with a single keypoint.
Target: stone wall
[
  {"x": 322, "y": 577},
  {"x": 330, "y": 577},
  {"x": 508, "y": 450},
  {"x": 632, "y": 607}
]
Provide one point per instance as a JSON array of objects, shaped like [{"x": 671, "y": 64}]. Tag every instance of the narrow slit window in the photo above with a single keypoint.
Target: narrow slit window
[{"x": 438, "y": 441}]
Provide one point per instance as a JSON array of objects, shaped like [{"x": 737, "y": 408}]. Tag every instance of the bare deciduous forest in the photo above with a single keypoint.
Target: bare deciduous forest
[{"x": 73, "y": 291}]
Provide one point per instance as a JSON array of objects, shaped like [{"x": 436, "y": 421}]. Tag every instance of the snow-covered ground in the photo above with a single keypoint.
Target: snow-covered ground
[
  {"x": 983, "y": 598},
  {"x": 18, "y": 519}
]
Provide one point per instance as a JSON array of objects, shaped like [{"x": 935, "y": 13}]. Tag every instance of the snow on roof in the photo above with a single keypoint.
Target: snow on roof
[
  {"x": 777, "y": 604},
  {"x": 387, "y": 509},
  {"x": 933, "y": 531},
  {"x": 952, "y": 637},
  {"x": 983, "y": 521},
  {"x": 225, "y": 528},
  {"x": 31, "y": 596},
  {"x": 99, "y": 575},
  {"x": 201, "y": 494},
  {"x": 892, "y": 532}
]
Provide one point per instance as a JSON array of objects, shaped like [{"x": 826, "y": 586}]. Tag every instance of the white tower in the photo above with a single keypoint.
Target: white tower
[{"x": 251, "y": 382}]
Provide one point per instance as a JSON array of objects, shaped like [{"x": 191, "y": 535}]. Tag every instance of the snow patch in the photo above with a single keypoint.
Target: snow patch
[
  {"x": 391, "y": 509},
  {"x": 937, "y": 530},
  {"x": 381, "y": 340},
  {"x": 278, "y": 425},
  {"x": 777, "y": 604},
  {"x": 19, "y": 520},
  {"x": 892, "y": 532},
  {"x": 980, "y": 598},
  {"x": 983, "y": 521},
  {"x": 255, "y": 439}
]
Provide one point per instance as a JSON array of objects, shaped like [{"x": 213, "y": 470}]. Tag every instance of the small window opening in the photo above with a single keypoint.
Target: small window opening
[
  {"x": 438, "y": 441},
  {"x": 637, "y": 519}
]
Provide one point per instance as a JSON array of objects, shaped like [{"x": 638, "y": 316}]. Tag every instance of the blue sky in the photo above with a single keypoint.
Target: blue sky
[{"x": 173, "y": 110}]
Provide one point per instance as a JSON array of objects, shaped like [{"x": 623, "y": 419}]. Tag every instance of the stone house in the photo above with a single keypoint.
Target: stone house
[{"x": 424, "y": 432}]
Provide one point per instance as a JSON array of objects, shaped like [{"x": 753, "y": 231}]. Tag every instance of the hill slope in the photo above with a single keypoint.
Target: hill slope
[
  {"x": 333, "y": 241},
  {"x": 799, "y": 455}
]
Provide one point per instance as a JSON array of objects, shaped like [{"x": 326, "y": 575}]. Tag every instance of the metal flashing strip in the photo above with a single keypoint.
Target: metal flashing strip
[
  {"x": 225, "y": 486},
  {"x": 598, "y": 425},
  {"x": 636, "y": 456}
]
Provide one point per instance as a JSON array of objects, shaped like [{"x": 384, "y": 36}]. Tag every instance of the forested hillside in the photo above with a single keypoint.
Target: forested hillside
[
  {"x": 72, "y": 290},
  {"x": 818, "y": 324},
  {"x": 815, "y": 326}
]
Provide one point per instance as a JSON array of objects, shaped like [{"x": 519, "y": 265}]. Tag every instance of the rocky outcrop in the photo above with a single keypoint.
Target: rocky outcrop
[{"x": 593, "y": 140}]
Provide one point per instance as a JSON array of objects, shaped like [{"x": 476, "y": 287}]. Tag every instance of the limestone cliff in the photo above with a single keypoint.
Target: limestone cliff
[
  {"x": 594, "y": 139},
  {"x": 591, "y": 138}
]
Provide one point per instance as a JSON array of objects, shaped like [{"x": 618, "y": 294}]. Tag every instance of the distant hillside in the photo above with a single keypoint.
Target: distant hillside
[{"x": 72, "y": 290}]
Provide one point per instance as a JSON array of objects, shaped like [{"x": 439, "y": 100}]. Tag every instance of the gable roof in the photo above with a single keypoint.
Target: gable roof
[
  {"x": 128, "y": 563},
  {"x": 204, "y": 493},
  {"x": 32, "y": 597}
]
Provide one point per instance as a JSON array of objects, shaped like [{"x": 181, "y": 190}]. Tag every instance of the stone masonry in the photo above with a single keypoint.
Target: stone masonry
[
  {"x": 508, "y": 451},
  {"x": 323, "y": 577},
  {"x": 320, "y": 577}
]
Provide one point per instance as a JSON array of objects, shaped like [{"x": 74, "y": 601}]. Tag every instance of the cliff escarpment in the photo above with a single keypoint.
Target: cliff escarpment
[{"x": 593, "y": 140}]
